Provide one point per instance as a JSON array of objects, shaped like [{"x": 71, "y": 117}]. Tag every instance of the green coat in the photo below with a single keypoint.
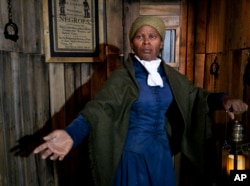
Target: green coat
[{"x": 108, "y": 117}]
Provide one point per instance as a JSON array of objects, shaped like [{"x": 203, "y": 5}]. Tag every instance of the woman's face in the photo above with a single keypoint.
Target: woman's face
[{"x": 146, "y": 43}]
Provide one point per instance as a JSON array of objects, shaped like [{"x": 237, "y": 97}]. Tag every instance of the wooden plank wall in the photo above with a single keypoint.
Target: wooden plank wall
[
  {"x": 222, "y": 35},
  {"x": 24, "y": 107},
  {"x": 36, "y": 97},
  {"x": 24, "y": 97}
]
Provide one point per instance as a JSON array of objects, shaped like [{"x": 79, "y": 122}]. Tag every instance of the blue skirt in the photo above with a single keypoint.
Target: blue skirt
[{"x": 153, "y": 167}]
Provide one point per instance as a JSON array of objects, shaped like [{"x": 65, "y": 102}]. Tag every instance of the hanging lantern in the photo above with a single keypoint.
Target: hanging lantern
[{"x": 236, "y": 154}]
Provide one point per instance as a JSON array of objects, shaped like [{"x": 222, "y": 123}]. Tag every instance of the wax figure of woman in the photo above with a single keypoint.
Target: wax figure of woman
[{"x": 145, "y": 112}]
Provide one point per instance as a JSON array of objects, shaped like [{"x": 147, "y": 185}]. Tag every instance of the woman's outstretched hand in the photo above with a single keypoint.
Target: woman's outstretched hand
[
  {"x": 56, "y": 146},
  {"x": 234, "y": 106}
]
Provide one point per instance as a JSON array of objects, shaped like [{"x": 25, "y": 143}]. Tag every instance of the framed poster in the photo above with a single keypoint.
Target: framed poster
[{"x": 72, "y": 30}]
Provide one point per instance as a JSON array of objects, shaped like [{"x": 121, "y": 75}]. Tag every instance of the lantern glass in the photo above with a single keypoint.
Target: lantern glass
[{"x": 241, "y": 162}]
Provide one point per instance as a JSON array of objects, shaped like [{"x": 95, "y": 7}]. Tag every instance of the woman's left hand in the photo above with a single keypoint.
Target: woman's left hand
[{"x": 234, "y": 106}]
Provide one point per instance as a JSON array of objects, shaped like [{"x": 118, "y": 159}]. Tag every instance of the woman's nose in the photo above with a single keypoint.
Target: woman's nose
[{"x": 146, "y": 40}]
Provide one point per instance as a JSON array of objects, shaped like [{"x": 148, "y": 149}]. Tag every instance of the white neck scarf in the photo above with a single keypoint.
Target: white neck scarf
[{"x": 154, "y": 78}]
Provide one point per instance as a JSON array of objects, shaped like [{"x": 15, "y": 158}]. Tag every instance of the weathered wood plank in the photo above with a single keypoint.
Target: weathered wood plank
[
  {"x": 216, "y": 26},
  {"x": 199, "y": 70},
  {"x": 71, "y": 162},
  {"x": 160, "y": 9},
  {"x": 4, "y": 168},
  {"x": 32, "y": 26},
  {"x": 246, "y": 24},
  {"x": 236, "y": 75},
  {"x": 35, "y": 116},
  {"x": 15, "y": 132},
  {"x": 190, "y": 43},
  {"x": 114, "y": 24},
  {"x": 69, "y": 81},
  {"x": 183, "y": 37},
  {"x": 201, "y": 26},
  {"x": 239, "y": 17},
  {"x": 57, "y": 101},
  {"x": 57, "y": 94},
  {"x": 28, "y": 114}
]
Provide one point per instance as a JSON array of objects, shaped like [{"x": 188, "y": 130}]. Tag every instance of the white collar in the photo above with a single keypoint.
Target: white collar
[{"x": 154, "y": 78}]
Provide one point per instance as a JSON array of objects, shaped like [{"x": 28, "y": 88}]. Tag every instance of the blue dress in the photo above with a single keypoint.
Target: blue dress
[{"x": 146, "y": 159}]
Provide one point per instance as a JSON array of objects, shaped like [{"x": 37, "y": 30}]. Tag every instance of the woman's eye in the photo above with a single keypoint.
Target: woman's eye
[
  {"x": 152, "y": 36},
  {"x": 140, "y": 37}
]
